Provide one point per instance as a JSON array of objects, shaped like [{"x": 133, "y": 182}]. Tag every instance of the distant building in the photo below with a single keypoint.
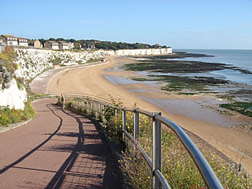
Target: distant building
[
  {"x": 35, "y": 43},
  {"x": 9, "y": 40},
  {"x": 52, "y": 45},
  {"x": 63, "y": 45},
  {"x": 77, "y": 45},
  {"x": 22, "y": 42}
]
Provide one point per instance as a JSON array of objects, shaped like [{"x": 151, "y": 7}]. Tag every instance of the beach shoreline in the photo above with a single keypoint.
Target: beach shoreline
[{"x": 235, "y": 143}]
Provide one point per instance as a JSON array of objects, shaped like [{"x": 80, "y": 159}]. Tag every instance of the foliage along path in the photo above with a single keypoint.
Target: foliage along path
[{"x": 58, "y": 149}]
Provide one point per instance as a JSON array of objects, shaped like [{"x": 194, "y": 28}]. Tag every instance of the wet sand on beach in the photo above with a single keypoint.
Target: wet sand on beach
[{"x": 235, "y": 143}]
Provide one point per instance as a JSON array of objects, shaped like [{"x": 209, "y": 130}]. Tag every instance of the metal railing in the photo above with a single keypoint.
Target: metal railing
[{"x": 94, "y": 106}]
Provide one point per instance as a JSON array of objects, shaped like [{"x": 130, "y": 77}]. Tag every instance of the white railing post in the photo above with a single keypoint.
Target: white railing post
[{"x": 156, "y": 151}]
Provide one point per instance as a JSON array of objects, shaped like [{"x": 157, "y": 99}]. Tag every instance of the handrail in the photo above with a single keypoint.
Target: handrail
[
  {"x": 203, "y": 166},
  {"x": 205, "y": 169}
]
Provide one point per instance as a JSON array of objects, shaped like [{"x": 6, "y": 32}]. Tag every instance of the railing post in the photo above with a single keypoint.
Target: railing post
[
  {"x": 103, "y": 117},
  {"x": 116, "y": 113},
  {"x": 136, "y": 131},
  {"x": 136, "y": 125},
  {"x": 91, "y": 108},
  {"x": 156, "y": 156},
  {"x": 83, "y": 106},
  {"x": 96, "y": 110},
  {"x": 123, "y": 122},
  {"x": 100, "y": 113},
  {"x": 87, "y": 108}
]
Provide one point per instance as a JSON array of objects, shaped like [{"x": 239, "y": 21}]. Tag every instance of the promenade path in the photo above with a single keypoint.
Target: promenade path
[{"x": 58, "y": 149}]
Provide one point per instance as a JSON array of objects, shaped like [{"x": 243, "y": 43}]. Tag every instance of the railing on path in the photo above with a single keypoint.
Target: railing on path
[{"x": 95, "y": 107}]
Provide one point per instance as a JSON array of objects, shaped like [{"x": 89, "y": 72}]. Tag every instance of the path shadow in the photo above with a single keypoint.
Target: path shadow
[
  {"x": 37, "y": 147},
  {"x": 95, "y": 152}
]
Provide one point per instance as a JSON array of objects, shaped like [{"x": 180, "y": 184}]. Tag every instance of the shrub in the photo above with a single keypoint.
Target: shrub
[
  {"x": 7, "y": 67},
  {"x": 10, "y": 116}
]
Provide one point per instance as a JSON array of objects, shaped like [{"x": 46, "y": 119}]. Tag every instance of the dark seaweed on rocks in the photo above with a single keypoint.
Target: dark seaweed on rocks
[
  {"x": 176, "y": 66},
  {"x": 176, "y": 55}
]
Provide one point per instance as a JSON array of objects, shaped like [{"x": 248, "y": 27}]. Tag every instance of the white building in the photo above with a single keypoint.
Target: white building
[
  {"x": 9, "y": 40},
  {"x": 22, "y": 42}
]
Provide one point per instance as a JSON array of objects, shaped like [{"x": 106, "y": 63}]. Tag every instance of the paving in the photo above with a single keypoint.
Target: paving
[{"x": 57, "y": 149}]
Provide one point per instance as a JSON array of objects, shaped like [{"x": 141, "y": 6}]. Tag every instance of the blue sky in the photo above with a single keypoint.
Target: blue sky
[{"x": 188, "y": 24}]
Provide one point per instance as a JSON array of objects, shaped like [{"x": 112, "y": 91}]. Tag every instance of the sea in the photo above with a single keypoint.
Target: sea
[{"x": 238, "y": 58}]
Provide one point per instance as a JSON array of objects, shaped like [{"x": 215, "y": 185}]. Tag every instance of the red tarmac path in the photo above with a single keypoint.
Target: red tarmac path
[{"x": 58, "y": 149}]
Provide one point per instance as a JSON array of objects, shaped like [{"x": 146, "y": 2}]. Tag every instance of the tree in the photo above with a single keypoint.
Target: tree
[{"x": 42, "y": 41}]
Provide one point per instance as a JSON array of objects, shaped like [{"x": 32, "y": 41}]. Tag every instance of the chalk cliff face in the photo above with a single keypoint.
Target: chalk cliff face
[
  {"x": 13, "y": 97},
  {"x": 32, "y": 62}
]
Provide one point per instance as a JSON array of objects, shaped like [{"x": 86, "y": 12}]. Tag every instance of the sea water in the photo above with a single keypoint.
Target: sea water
[{"x": 241, "y": 59}]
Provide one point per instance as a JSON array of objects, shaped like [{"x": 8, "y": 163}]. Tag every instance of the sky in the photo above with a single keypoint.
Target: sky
[{"x": 181, "y": 24}]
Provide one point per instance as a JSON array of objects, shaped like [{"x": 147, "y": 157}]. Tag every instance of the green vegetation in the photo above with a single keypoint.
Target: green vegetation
[
  {"x": 172, "y": 66},
  {"x": 56, "y": 60},
  {"x": 140, "y": 79},
  {"x": 7, "y": 67},
  {"x": 177, "y": 83},
  {"x": 122, "y": 45},
  {"x": 241, "y": 107},
  {"x": 10, "y": 116},
  {"x": 94, "y": 60}
]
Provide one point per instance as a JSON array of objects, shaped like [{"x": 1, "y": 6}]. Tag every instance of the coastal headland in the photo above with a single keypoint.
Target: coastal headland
[{"x": 211, "y": 127}]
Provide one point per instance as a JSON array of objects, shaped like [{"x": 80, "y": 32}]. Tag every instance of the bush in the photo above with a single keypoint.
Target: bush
[
  {"x": 10, "y": 116},
  {"x": 7, "y": 67}
]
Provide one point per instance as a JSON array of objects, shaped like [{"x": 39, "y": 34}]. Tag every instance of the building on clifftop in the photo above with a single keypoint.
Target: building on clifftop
[{"x": 52, "y": 45}]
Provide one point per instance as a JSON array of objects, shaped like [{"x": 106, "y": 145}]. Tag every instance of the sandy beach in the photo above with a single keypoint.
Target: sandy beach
[{"x": 234, "y": 143}]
